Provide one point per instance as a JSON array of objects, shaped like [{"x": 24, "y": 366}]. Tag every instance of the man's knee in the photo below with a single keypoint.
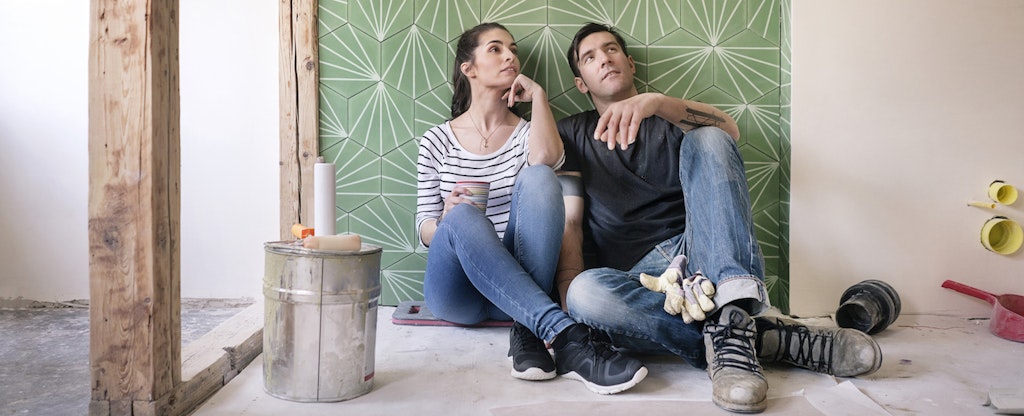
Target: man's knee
[
  {"x": 589, "y": 288},
  {"x": 710, "y": 144},
  {"x": 710, "y": 136}
]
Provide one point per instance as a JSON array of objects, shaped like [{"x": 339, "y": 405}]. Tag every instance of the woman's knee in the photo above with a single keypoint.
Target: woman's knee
[
  {"x": 538, "y": 172},
  {"x": 468, "y": 216},
  {"x": 539, "y": 179},
  {"x": 538, "y": 196}
]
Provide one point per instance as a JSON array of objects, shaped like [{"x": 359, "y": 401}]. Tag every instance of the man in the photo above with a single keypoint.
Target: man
[{"x": 662, "y": 177}]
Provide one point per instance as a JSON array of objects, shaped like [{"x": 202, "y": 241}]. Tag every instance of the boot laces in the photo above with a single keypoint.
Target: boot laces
[
  {"x": 733, "y": 344},
  {"x": 810, "y": 349}
]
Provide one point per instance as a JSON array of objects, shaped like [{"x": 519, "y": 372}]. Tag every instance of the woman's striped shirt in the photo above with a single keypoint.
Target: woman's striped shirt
[{"x": 442, "y": 161}]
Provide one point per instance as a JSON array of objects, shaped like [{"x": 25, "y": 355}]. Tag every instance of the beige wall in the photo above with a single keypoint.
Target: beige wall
[{"x": 902, "y": 111}]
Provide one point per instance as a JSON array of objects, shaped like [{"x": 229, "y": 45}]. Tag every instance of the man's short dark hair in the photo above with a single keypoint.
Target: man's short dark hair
[{"x": 589, "y": 29}]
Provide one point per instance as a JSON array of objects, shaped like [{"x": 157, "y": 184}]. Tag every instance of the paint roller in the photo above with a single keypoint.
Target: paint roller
[{"x": 338, "y": 242}]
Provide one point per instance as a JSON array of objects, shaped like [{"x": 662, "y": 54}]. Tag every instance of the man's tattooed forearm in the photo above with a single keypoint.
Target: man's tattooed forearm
[{"x": 697, "y": 118}]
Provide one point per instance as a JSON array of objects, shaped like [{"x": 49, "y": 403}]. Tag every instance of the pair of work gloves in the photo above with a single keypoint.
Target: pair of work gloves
[{"x": 689, "y": 297}]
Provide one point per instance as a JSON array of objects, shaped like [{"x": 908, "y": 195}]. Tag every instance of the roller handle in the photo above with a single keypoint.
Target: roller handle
[
  {"x": 967, "y": 290},
  {"x": 339, "y": 242}
]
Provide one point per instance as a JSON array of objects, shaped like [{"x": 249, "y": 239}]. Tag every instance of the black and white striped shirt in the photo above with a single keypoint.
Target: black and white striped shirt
[{"x": 442, "y": 161}]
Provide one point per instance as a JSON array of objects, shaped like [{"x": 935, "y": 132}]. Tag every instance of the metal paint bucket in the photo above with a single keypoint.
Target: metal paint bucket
[{"x": 320, "y": 322}]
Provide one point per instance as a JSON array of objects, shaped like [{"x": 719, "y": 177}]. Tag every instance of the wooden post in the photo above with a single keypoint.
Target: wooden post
[
  {"x": 299, "y": 101},
  {"x": 134, "y": 205}
]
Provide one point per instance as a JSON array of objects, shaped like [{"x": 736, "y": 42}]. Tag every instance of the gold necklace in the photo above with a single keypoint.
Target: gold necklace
[{"x": 483, "y": 143}]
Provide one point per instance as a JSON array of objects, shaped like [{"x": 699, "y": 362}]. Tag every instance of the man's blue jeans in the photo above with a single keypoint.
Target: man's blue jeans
[
  {"x": 719, "y": 241},
  {"x": 472, "y": 275}
]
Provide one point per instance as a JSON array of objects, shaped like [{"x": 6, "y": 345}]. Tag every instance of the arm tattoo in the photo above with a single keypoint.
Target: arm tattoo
[{"x": 696, "y": 119}]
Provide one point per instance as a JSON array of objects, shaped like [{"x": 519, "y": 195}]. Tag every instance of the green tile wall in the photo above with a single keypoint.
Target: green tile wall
[{"x": 384, "y": 67}]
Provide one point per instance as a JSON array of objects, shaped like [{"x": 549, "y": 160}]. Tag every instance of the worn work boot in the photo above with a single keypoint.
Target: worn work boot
[
  {"x": 737, "y": 384},
  {"x": 843, "y": 352}
]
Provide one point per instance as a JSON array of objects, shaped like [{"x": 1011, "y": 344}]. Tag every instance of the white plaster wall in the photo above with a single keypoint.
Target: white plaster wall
[
  {"x": 901, "y": 112},
  {"x": 229, "y": 140}
]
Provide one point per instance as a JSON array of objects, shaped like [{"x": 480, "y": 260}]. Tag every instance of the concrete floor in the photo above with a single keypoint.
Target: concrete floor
[
  {"x": 933, "y": 365},
  {"x": 44, "y": 354}
]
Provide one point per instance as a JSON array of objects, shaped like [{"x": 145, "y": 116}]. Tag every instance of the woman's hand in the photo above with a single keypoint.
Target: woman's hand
[
  {"x": 454, "y": 199},
  {"x": 524, "y": 90},
  {"x": 545, "y": 143}
]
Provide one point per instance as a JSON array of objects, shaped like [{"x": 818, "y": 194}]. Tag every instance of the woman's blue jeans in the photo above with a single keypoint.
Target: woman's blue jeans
[
  {"x": 473, "y": 276},
  {"x": 719, "y": 241}
]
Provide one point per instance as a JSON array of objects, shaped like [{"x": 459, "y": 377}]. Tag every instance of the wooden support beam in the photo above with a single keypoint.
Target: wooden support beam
[
  {"x": 134, "y": 205},
  {"x": 299, "y": 102},
  {"x": 211, "y": 361}
]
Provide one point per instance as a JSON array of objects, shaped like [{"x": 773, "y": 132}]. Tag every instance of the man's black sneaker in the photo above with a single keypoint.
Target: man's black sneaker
[
  {"x": 530, "y": 358},
  {"x": 581, "y": 355}
]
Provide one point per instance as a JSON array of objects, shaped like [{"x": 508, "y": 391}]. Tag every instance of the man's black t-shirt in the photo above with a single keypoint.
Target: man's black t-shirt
[{"x": 633, "y": 197}]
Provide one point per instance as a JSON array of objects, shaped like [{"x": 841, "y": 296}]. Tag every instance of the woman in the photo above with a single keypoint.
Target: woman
[{"x": 500, "y": 263}]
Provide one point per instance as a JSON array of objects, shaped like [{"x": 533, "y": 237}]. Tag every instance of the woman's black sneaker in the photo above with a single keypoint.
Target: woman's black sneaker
[
  {"x": 580, "y": 355},
  {"x": 530, "y": 358}
]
